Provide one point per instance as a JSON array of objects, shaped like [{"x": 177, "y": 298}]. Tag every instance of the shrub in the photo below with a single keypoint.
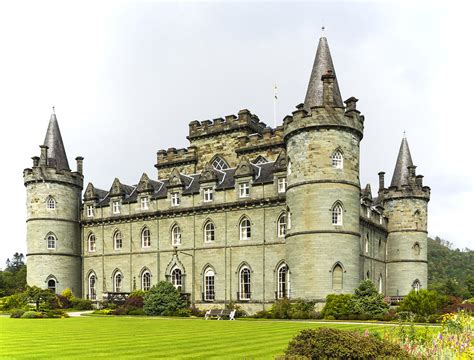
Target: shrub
[
  {"x": 423, "y": 303},
  {"x": 120, "y": 311},
  {"x": 32, "y": 315},
  {"x": 367, "y": 299},
  {"x": 136, "y": 312},
  {"x": 137, "y": 293},
  {"x": 15, "y": 301},
  {"x": 17, "y": 313},
  {"x": 239, "y": 312},
  {"x": 338, "y": 306},
  {"x": 103, "y": 312},
  {"x": 133, "y": 302},
  {"x": 455, "y": 304},
  {"x": 196, "y": 311},
  {"x": 281, "y": 309},
  {"x": 326, "y": 343},
  {"x": 55, "y": 314},
  {"x": 163, "y": 299},
  {"x": 81, "y": 304},
  {"x": 64, "y": 302},
  {"x": 67, "y": 293}
]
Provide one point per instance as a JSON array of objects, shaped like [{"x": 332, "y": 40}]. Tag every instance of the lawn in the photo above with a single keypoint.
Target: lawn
[{"x": 90, "y": 337}]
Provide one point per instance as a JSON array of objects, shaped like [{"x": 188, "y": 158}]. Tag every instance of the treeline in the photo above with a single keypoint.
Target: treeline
[
  {"x": 13, "y": 278},
  {"x": 450, "y": 270}
]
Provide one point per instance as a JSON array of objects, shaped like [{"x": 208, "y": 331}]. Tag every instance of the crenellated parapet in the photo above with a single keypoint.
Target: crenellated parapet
[
  {"x": 414, "y": 188},
  {"x": 269, "y": 139},
  {"x": 185, "y": 159},
  {"x": 52, "y": 174}
]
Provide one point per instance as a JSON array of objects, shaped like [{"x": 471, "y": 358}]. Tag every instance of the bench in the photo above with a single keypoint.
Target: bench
[{"x": 220, "y": 314}]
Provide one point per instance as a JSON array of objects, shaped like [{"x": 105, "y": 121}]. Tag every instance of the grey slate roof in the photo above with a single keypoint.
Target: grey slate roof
[
  {"x": 322, "y": 63},
  {"x": 53, "y": 140},
  {"x": 400, "y": 174}
]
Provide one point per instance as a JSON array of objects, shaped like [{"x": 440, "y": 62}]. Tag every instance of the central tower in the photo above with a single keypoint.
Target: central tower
[{"x": 323, "y": 195}]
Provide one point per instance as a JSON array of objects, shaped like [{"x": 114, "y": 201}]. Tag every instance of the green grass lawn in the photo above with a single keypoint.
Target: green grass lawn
[{"x": 90, "y": 337}]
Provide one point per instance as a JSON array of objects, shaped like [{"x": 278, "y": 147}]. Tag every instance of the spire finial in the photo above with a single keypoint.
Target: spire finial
[
  {"x": 54, "y": 111},
  {"x": 404, "y": 134},
  {"x": 323, "y": 28}
]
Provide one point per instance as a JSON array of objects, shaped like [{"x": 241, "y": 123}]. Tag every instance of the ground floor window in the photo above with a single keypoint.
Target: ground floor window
[
  {"x": 52, "y": 285},
  {"x": 146, "y": 281},
  {"x": 209, "y": 285},
  {"x": 282, "y": 291},
  {"x": 118, "y": 282},
  {"x": 92, "y": 289},
  {"x": 244, "y": 287},
  {"x": 177, "y": 279}
]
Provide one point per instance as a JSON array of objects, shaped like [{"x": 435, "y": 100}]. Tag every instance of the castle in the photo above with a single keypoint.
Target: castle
[{"x": 247, "y": 213}]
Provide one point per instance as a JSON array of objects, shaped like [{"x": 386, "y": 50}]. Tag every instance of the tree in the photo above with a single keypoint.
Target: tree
[
  {"x": 13, "y": 278},
  {"x": 163, "y": 299},
  {"x": 367, "y": 300},
  {"x": 423, "y": 302}
]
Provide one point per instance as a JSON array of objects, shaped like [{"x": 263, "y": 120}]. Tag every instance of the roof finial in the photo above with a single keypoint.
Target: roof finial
[
  {"x": 54, "y": 111},
  {"x": 404, "y": 134},
  {"x": 322, "y": 29}
]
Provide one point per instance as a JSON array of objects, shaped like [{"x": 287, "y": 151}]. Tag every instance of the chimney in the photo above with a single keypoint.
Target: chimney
[
  {"x": 79, "y": 164},
  {"x": 411, "y": 173},
  {"x": 35, "y": 160},
  {"x": 328, "y": 88},
  {"x": 381, "y": 180},
  {"x": 43, "y": 161},
  {"x": 419, "y": 180}
]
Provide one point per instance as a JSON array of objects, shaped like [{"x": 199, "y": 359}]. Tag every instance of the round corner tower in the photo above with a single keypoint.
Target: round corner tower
[
  {"x": 53, "y": 201},
  {"x": 406, "y": 206},
  {"x": 323, "y": 195}
]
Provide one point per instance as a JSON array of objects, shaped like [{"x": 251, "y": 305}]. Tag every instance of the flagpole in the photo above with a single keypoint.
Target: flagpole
[{"x": 275, "y": 98}]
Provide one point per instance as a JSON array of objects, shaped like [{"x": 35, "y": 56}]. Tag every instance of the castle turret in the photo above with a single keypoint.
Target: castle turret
[
  {"x": 323, "y": 195},
  {"x": 406, "y": 206},
  {"x": 53, "y": 198}
]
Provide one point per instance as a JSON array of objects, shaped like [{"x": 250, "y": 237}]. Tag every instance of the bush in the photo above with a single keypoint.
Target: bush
[
  {"x": 103, "y": 312},
  {"x": 196, "y": 311},
  {"x": 239, "y": 312},
  {"x": 133, "y": 302},
  {"x": 17, "y": 313},
  {"x": 55, "y": 314},
  {"x": 325, "y": 343},
  {"x": 163, "y": 299},
  {"x": 32, "y": 315},
  {"x": 81, "y": 304},
  {"x": 67, "y": 293},
  {"x": 367, "y": 300},
  {"x": 423, "y": 303},
  {"x": 137, "y": 293},
  {"x": 64, "y": 302},
  {"x": 338, "y": 306},
  {"x": 15, "y": 301},
  {"x": 136, "y": 312},
  {"x": 120, "y": 311}
]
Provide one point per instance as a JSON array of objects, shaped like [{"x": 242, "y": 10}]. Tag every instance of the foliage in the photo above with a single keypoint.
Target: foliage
[
  {"x": 455, "y": 304},
  {"x": 163, "y": 299},
  {"x": 133, "y": 302},
  {"x": 286, "y": 309},
  {"x": 450, "y": 271},
  {"x": 338, "y": 306},
  {"x": 239, "y": 312},
  {"x": 15, "y": 301},
  {"x": 13, "y": 278},
  {"x": 422, "y": 303},
  {"x": 341, "y": 344},
  {"x": 137, "y": 293},
  {"x": 17, "y": 313},
  {"x": 42, "y": 298},
  {"x": 67, "y": 293},
  {"x": 367, "y": 300},
  {"x": 81, "y": 304},
  {"x": 32, "y": 315}
]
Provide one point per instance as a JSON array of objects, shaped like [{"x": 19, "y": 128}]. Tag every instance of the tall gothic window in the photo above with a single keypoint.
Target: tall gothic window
[
  {"x": 209, "y": 232},
  {"x": 244, "y": 284},
  {"x": 416, "y": 285},
  {"x": 52, "y": 285},
  {"x": 337, "y": 160},
  {"x": 337, "y": 214},
  {"x": 92, "y": 286},
  {"x": 177, "y": 278},
  {"x": 337, "y": 277},
  {"x": 176, "y": 235},
  {"x": 283, "y": 282},
  {"x": 92, "y": 243},
  {"x": 118, "y": 240},
  {"x": 51, "y": 241},
  {"x": 146, "y": 281},
  {"x": 245, "y": 229},
  {"x": 416, "y": 249},
  {"x": 146, "y": 238},
  {"x": 118, "y": 277},
  {"x": 282, "y": 225},
  {"x": 209, "y": 285},
  {"x": 219, "y": 163}
]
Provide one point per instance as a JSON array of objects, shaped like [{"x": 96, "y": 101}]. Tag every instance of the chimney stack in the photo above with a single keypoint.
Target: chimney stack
[
  {"x": 328, "y": 88},
  {"x": 381, "y": 180},
  {"x": 43, "y": 161},
  {"x": 79, "y": 164}
]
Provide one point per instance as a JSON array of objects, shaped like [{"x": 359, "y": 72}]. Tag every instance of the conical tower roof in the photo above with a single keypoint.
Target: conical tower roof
[
  {"x": 400, "y": 174},
  {"x": 322, "y": 64},
  {"x": 53, "y": 140}
]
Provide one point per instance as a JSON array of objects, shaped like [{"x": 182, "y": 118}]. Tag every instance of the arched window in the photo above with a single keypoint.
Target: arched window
[
  {"x": 244, "y": 283},
  {"x": 52, "y": 285},
  {"x": 146, "y": 280},
  {"x": 337, "y": 160},
  {"x": 380, "y": 284},
  {"x": 51, "y": 241},
  {"x": 281, "y": 225},
  {"x": 245, "y": 229},
  {"x": 50, "y": 203},
  {"x": 260, "y": 160},
  {"x": 337, "y": 214},
  {"x": 288, "y": 167},
  {"x": 177, "y": 279},
  {"x": 176, "y": 235},
  {"x": 283, "y": 282},
  {"x": 367, "y": 275},
  {"x": 337, "y": 277},
  {"x": 288, "y": 220},
  {"x": 92, "y": 287},
  {"x": 209, "y": 285},
  {"x": 91, "y": 243},
  {"x": 146, "y": 239},
  {"x": 219, "y": 163},
  {"x": 118, "y": 277},
  {"x": 209, "y": 232},
  {"x": 366, "y": 244},
  {"x": 118, "y": 240},
  {"x": 416, "y": 285},
  {"x": 416, "y": 249}
]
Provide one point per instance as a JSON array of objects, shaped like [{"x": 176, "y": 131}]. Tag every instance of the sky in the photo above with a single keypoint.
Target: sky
[{"x": 126, "y": 78}]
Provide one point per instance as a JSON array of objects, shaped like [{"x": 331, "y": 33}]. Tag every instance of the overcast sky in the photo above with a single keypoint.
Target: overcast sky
[{"x": 126, "y": 78}]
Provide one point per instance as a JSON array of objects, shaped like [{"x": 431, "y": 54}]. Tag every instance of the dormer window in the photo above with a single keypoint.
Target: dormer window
[
  {"x": 219, "y": 163},
  {"x": 337, "y": 160},
  {"x": 90, "y": 210},
  {"x": 244, "y": 190},
  {"x": 144, "y": 203},
  {"x": 175, "y": 200},
  {"x": 282, "y": 185},
  {"x": 116, "y": 207},
  {"x": 50, "y": 203},
  {"x": 208, "y": 195}
]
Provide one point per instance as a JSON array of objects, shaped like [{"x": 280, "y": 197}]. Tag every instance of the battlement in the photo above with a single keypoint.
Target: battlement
[
  {"x": 414, "y": 188},
  {"x": 172, "y": 157},
  {"x": 244, "y": 120},
  {"x": 52, "y": 174},
  {"x": 267, "y": 139}
]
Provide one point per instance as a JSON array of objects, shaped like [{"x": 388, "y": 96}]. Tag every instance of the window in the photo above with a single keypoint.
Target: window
[
  {"x": 260, "y": 160},
  {"x": 175, "y": 200},
  {"x": 337, "y": 274},
  {"x": 282, "y": 291},
  {"x": 177, "y": 279},
  {"x": 50, "y": 204},
  {"x": 380, "y": 284},
  {"x": 146, "y": 281},
  {"x": 337, "y": 160},
  {"x": 219, "y": 163},
  {"x": 51, "y": 239},
  {"x": 144, "y": 203},
  {"x": 244, "y": 190},
  {"x": 337, "y": 214},
  {"x": 367, "y": 275},
  {"x": 366, "y": 244},
  {"x": 288, "y": 220},
  {"x": 209, "y": 232},
  {"x": 416, "y": 249},
  {"x": 281, "y": 185},
  {"x": 92, "y": 290},
  {"x": 209, "y": 283},
  {"x": 118, "y": 240},
  {"x": 368, "y": 212},
  {"x": 146, "y": 239},
  {"x": 90, "y": 210},
  {"x": 244, "y": 286},
  {"x": 208, "y": 194},
  {"x": 288, "y": 168},
  {"x": 116, "y": 207},
  {"x": 52, "y": 285},
  {"x": 118, "y": 281},
  {"x": 91, "y": 243},
  {"x": 381, "y": 219},
  {"x": 282, "y": 225},
  {"x": 245, "y": 229},
  {"x": 176, "y": 235},
  {"x": 416, "y": 285}
]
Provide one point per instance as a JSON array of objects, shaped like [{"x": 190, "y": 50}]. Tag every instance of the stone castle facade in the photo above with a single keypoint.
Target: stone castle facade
[{"x": 247, "y": 213}]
